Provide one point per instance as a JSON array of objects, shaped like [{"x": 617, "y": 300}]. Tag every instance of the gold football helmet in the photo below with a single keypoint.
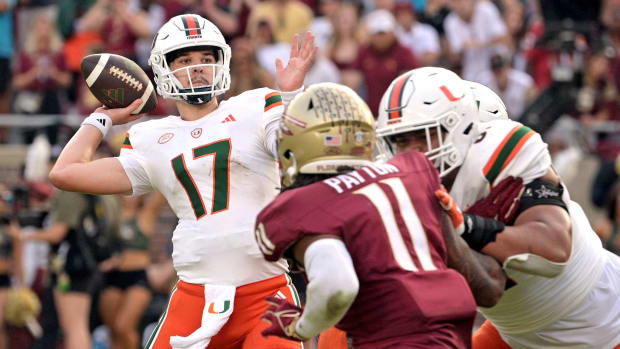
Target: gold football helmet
[
  {"x": 22, "y": 308},
  {"x": 325, "y": 127}
]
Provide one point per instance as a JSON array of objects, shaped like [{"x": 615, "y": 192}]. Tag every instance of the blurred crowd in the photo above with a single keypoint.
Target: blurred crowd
[
  {"x": 519, "y": 48},
  {"x": 86, "y": 268},
  {"x": 555, "y": 64}
]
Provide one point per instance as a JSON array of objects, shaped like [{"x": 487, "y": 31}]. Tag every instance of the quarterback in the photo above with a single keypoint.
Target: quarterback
[
  {"x": 564, "y": 289},
  {"x": 216, "y": 166},
  {"x": 380, "y": 224}
]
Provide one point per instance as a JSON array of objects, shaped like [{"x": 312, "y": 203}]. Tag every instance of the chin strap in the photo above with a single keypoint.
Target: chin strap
[
  {"x": 198, "y": 99},
  {"x": 196, "y": 96}
]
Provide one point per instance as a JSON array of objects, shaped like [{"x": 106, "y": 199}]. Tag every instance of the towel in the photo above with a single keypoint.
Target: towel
[{"x": 219, "y": 302}]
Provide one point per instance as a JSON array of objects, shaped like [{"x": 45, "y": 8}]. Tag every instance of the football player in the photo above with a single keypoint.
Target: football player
[
  {"x": 216, "y": 166},
  {"x": 367, "y": 235},
  {"x": 564, "y": 288}
]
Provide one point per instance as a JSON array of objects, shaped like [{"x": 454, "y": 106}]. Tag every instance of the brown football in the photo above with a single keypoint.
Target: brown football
[{"x": 117, "y": 81}]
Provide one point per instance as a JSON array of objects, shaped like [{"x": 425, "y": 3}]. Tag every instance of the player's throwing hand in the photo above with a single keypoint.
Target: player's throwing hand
[{"x": 122, "y": 116}]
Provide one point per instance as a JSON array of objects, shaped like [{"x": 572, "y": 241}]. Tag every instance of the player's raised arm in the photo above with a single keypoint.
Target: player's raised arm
[
  {"x": 292, "y": 76},
  {"x": 75, "y": 169}
]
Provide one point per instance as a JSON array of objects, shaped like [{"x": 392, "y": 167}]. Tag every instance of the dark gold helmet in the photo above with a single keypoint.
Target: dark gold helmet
[{"x": 323, "y": 128}]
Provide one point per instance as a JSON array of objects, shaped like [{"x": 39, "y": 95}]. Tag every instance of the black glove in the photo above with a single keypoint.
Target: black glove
[{"x": 480, "y": 231}]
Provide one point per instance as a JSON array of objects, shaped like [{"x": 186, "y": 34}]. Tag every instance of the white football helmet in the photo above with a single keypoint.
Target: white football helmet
[
  {"x": 490, "y": 105},
  {"x": 187, "y": 32},
  {"x": 427, "y": 99}
]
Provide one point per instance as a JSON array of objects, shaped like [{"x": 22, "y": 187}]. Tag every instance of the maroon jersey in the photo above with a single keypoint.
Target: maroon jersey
[{"x": 390, "y": 221}]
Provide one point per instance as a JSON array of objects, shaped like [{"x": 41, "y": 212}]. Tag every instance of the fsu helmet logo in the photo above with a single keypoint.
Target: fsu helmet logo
[{"x": 197, "y": 132}]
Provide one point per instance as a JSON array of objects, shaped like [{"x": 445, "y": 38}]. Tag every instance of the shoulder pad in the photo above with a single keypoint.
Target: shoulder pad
[
  {"x": 290, "y": 217},
  {"x": 275, "y": 229}
]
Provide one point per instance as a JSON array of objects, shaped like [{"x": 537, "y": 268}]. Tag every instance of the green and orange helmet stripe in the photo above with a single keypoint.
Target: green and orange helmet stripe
[
  {"x": 192, "y": 27},
  {"x": 395, "y": 100},
  {"x": 506, "y": 151}
]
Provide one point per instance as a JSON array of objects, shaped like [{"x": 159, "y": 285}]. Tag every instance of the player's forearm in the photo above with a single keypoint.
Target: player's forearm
[
  {"x": 489, "y": 280},
  {"x": 79, "y": 150},
  {"x": 484, "y": 275},
  {"x": 331, "y": 291},
  {"x": 543, "y": 231}
]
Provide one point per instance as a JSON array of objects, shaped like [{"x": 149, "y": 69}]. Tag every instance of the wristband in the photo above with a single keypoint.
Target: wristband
[
  {"x": 287, "y": 96},
  {"x": 101, "y": 121},
  {"x": 480, "y": 231}
]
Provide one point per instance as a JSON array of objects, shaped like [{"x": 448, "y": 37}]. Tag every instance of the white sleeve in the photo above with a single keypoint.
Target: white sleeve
[
  {"x": 287, "y": 96},
  {"x": 327, "y": 285},
  {"x": 271, "y": 122},
  {"x": 271, "y": 136},
  {"x": 140, "y": 182},
  {"x": 530, "y": 163}
]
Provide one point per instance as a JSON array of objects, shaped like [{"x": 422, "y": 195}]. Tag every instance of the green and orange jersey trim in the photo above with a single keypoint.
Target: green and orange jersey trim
[
  {"x": 126, "y": 143},
  {"x": 506, "y": 151},
  {"x": 192, "y": 28},
  {"x": 273, "y": 100},
  {"x": 396, "y": 97}
]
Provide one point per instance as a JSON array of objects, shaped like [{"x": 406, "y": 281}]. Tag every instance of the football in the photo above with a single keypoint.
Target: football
[{"x": 117, "y": 81}]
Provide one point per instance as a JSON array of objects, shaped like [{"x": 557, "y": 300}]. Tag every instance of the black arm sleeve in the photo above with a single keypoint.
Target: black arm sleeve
[{"x": 541, "y": 192}]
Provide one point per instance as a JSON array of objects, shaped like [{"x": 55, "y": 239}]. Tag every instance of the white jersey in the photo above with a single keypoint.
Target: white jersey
[
  {"x": 528, "y": 315},
  {"x": 217, "y": 173}
]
